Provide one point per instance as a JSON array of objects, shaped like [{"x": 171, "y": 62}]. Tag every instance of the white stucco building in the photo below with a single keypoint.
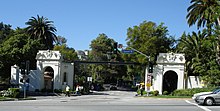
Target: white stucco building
[
  {"x": 168, "y": 74},
  {"x": 52, "y": 73}
]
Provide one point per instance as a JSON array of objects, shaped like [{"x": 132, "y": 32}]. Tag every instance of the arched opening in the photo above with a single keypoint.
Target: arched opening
[
  {"x": 48, "y": 78},
  {"x": 170, "y": 80}
]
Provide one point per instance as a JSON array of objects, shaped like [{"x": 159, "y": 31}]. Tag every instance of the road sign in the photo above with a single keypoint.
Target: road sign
[{"x": 128, "y": 51}]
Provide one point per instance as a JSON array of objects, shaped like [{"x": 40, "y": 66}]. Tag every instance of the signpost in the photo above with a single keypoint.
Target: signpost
[
  {"x": 148, "y": 82},
  {"x": 25, "y": 71}
]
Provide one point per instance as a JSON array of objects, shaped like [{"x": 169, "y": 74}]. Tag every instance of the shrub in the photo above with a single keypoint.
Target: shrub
[
  {"x": 165, "y": 93},
  {"x": 156, "y": 93},
  {"x": 190, "y": 92},
  {"x": 11, "y": 92}
]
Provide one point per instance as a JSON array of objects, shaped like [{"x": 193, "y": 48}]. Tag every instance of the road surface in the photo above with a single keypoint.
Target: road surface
[{"x": 104, "y": 101}]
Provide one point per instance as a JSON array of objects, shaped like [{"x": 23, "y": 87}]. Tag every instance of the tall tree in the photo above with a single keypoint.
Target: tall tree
[
  {"x": 43, "y": 29},
  {"x": 16, "y": 48},
  {"x": 150, "y": 39},
  {"x": 200, "y": 56},
  {"x": 5, "y": 31},
  {"x": 192, "y": 46},
  {"x": 69, "y": 53},
  {"x": 203, "y": 12},
  {"x": 101, "y": 49}
]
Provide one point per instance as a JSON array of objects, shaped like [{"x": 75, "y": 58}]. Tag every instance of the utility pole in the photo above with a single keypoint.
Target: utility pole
[
  {"x": 25, "y": 71},
  {"x": 148, "y": 71}
]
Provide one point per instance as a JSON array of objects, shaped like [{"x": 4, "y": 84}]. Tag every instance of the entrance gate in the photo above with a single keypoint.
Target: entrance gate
[{"x": 170, "y": 80}]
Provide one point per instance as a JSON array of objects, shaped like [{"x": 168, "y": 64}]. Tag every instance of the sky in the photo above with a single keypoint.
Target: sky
[{"x": 81, "y": 21}]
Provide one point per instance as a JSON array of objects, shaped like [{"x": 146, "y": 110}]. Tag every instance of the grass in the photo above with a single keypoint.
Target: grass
[
  {"x": 167, "y": 96},
  {"x": 6, "y": 99},
  {"x": 12, "y": 99}
]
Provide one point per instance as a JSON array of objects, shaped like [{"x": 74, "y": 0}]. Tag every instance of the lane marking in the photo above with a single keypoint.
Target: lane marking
[{"x": 202, "y": 107}]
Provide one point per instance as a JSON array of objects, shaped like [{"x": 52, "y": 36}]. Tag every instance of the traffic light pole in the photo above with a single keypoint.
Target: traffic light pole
[
  {"x": 25, "y": 72},
  {"x": 148, "y": 74}
]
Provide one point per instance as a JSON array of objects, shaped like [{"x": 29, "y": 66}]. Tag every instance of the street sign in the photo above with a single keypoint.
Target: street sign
[{"x": 128, "y": 51}]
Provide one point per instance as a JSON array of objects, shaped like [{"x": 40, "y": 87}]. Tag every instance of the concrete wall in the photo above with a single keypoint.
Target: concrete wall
[{"x": 193, "y": 82}]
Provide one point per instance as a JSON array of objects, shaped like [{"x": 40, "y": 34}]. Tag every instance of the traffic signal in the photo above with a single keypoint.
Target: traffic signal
[
  {"x": 150, "y": 67},
  {"x": 23, "y": 67},
  {"x": 115, "y": 46}
]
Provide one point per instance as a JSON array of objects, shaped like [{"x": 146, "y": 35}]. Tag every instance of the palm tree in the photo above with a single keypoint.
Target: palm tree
[
  {"x": 42, "y": 29},
  {"x": 192, "y": 45},
  {"x": 203, "y": 12}
]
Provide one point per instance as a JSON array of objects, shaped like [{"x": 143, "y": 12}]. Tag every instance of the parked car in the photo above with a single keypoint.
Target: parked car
[
  {"x": 199, "y": 94},
  {"x": 203, "y": 93},
  {"x": 209, "y": 98}
]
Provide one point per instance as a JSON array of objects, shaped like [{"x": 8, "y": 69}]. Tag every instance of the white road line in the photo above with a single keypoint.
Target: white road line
[{"x": 202, "y": 107}]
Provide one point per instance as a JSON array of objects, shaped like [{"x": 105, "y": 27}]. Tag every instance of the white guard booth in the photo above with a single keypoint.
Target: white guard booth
[
  {"x": 168, "y": 74},
  {"x": 52, "y": 73}
]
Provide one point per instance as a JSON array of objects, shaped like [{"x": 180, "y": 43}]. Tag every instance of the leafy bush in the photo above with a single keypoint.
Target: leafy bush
[
  {"x": 14, "y": 92},
  {"x": 139, "y": 92},
  {"x": 11, "y": 92},
  {"x": 165, "y": 93},
  {"x": 190, "y": 92},
  {"x": 156, "y": 93}
]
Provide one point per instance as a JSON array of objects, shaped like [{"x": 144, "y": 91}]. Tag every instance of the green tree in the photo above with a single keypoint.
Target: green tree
[
  {"x": 200, "y": 56},
  {"x": 61, "y": 40},
  {"x": 69, "y": 53},
  {"x": 191, "y": 45},
  {"x": 101, "y": 49},
  {"x": 5, "y": 31},
  {"x": 16, "y": 48},
  {"x": 150, "y": 39},
  {"x": 203, "y": 12},
  {"x": 43, "y": 29}
]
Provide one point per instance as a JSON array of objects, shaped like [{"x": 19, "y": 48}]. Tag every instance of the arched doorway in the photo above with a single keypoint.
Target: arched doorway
[
  {"x": 48, "y": 78},
  {"x": 170, "y": 80}
]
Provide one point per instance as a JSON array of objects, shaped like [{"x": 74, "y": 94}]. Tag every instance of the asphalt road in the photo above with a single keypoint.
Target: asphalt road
[{"x": 104, "y": 101}]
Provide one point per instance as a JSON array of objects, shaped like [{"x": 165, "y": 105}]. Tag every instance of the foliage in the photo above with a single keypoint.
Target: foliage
[
  {"x": 101, "y": 50},
  {"x": 41, "y": 28},
  {"x": 165, "y": 92},
  {"x": 16, "y": 48},
  {"x": 150, "y": 39},
  {"x": 61, "y": 40},
  {"x": 190, "y": 92},
  {"x": 200, "y": 56},
  {"x": 5, "y": 31},
  {"x": 11, "y": 92},
  {"x": 155, "y": 93},
  {"x": 69, "y": 53},
  {"x": 203, "y": 12}
]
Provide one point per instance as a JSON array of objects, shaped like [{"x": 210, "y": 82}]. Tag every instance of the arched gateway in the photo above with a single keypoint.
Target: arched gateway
[
  {"x": 170, "y": 80},
  {"x": 168, "y": 74},
  {"x": 51, "y": 73}
]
